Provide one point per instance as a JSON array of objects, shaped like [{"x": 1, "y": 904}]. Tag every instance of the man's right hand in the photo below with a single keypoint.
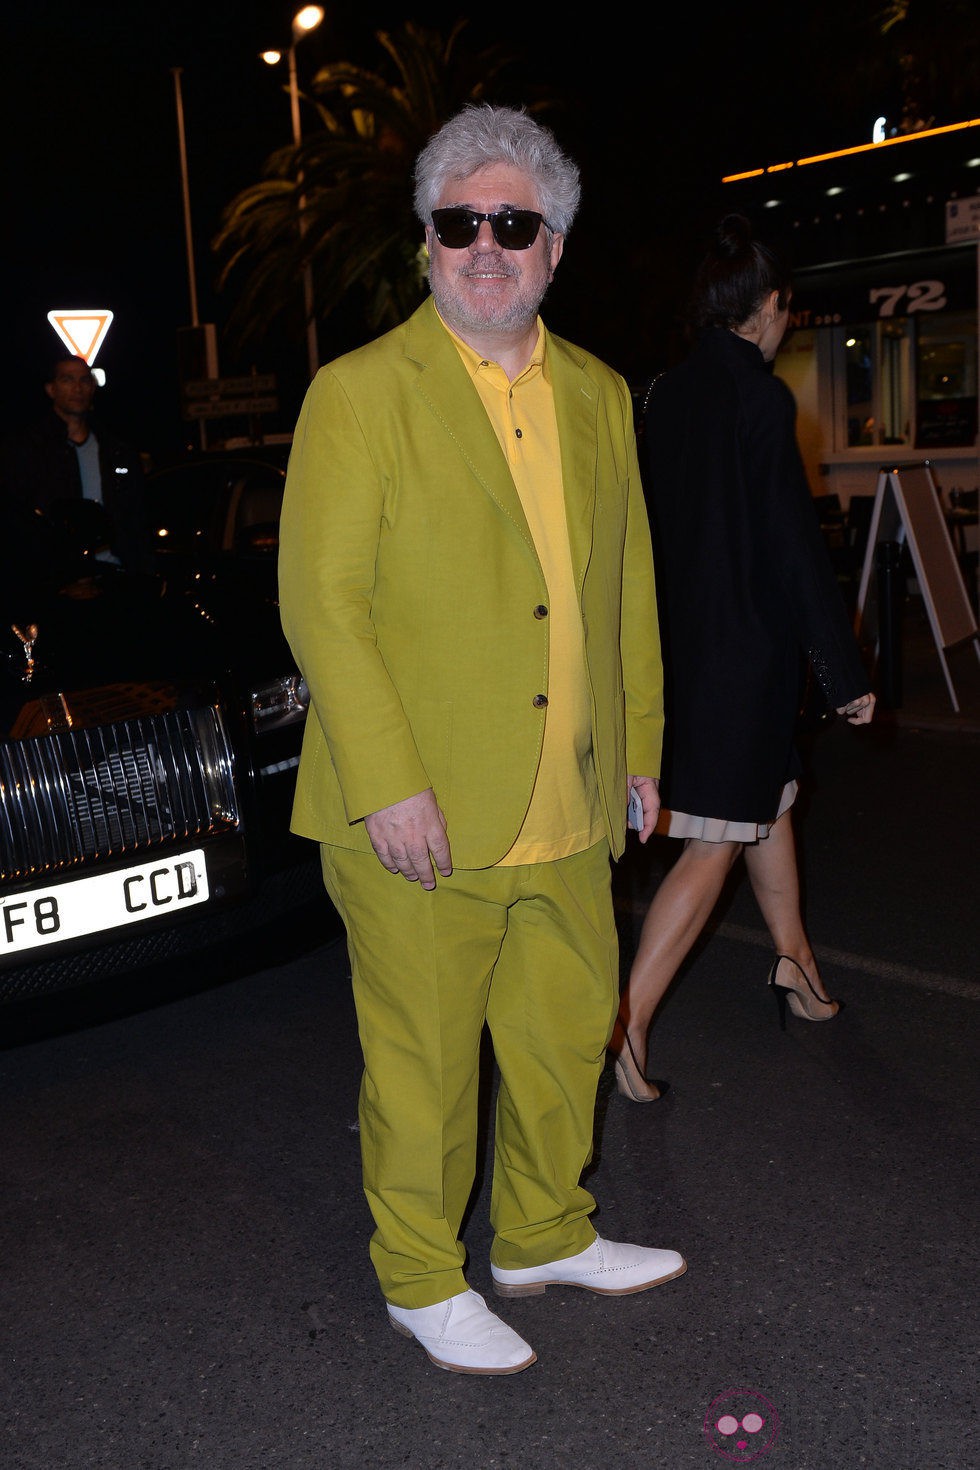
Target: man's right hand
[{"x": 410, "y": 836}]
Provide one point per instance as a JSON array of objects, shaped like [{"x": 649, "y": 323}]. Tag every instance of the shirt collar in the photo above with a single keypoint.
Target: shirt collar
[{"x": 476, "y": 364}]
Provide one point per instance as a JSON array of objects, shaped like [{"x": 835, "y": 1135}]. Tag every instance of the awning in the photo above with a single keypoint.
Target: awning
[{"x": 886, "y": 287}]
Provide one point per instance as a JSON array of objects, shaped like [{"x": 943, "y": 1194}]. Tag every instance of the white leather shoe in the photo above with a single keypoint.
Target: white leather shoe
[
  {"x": 607, "y": 1266},
  {"x": 463, "y": 1335}
]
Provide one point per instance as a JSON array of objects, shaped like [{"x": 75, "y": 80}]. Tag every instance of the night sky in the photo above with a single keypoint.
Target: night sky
[{"x": 93, "y": 212}]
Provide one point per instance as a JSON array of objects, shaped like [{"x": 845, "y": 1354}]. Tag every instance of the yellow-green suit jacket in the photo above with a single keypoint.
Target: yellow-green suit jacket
[{"x": 413, "y": 600}]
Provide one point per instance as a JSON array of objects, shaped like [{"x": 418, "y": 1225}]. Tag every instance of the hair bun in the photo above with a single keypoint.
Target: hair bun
[{"x": 733, "y": 235}]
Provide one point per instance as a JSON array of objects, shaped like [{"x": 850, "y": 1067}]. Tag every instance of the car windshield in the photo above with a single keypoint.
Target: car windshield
[{"x": 223, "y": 506}]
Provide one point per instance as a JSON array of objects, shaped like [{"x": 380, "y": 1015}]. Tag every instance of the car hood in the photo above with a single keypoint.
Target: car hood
[
  {"x": 70, "y": 625},
  {"x": 104, "y": 629}
]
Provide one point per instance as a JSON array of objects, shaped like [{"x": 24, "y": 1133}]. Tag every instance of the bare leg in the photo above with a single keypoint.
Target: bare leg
[
  {"x": 773, "y": 873},
  {"x": 679, "y": 911}
]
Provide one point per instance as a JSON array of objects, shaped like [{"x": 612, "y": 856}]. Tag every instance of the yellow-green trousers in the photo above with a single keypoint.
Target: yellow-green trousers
[{"x": 532, "y": 953}]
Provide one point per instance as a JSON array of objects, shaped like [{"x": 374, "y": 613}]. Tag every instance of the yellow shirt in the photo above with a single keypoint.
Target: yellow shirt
[{"x": 563, "y": 816}]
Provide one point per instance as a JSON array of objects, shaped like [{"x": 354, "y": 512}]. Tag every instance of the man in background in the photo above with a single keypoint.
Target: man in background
[{"x": 66, "y": 458}]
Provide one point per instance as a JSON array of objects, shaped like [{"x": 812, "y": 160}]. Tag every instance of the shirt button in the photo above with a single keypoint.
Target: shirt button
[
  {"x": 539, "y": 701},
  {"x": 540, "y": 611},
  {"x": 519, "y": 433}
]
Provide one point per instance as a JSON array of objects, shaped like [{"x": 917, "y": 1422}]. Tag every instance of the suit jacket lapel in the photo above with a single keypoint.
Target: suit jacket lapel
[
  {"x": 451, "y": 398},
  {"x": 445, "y": 386},
  {"x": 577, "y": 406}
]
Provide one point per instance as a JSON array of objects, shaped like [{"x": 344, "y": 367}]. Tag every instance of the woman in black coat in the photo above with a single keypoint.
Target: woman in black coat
[{"x": 748, "y": 598}]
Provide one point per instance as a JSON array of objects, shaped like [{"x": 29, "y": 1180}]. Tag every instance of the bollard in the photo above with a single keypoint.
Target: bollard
[{"x": 891, "y": 597}]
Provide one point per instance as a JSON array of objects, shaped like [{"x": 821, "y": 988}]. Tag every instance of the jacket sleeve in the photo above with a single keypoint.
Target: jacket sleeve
[
  {"x": 804, "y": 568},
  {"x": 124, "y": 496},
  {"x": 329, "y": 539},
  {"x": 643, "y": 675}
]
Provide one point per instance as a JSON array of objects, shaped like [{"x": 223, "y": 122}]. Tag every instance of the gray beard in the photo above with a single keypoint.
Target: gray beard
[{"x": 519, "y": 315}]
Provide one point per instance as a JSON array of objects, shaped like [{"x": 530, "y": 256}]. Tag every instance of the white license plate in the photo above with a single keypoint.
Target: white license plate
[{"x": 102, "y": 901}]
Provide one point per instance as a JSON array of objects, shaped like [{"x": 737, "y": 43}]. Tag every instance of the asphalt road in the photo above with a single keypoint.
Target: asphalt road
[{"x": 184, "y": 1238}]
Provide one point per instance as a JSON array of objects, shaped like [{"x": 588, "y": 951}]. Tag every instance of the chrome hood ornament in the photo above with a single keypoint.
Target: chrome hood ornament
[{"x": 27, "y": 637}]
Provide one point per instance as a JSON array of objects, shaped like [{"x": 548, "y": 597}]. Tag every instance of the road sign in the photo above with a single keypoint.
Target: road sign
[
  {"x": 253, "y": 385},
  {"x": 219, "y": 408},
  {"x": 963, "y": 219},
  {"x": 82, "y": 331}
]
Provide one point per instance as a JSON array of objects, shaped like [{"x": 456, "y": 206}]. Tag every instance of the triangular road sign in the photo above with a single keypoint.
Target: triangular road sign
[{"x": 82, "y": 331}]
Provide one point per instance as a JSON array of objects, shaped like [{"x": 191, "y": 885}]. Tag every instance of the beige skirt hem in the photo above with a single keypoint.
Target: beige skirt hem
[{"x": 717, "y": 829}]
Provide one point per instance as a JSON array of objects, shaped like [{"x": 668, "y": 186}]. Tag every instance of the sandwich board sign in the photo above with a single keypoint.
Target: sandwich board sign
[
  {"x": 908, "y": 511},
  {"x": 82, "y": 332}
]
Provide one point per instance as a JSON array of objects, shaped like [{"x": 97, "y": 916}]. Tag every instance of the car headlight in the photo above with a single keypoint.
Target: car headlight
[{"x": 281, "y": 703}]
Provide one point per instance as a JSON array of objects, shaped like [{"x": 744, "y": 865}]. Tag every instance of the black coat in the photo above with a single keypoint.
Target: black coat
[
  {"x": 747, "y": 590},
  {"x": 39, "y": 471}
]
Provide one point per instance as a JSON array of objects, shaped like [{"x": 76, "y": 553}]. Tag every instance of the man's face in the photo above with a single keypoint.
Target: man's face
[
  {"x": 72, "y": 389},
  {"x": 484, "y": 287}
]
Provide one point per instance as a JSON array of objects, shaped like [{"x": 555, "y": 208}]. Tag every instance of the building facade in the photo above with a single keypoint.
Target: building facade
[{"x": 882, "y": 352}]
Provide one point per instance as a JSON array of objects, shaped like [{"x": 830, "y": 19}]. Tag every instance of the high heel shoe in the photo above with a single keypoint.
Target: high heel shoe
[
  {"x": 631, "y": 1081},
  {"x": 806, "y": 1004}
]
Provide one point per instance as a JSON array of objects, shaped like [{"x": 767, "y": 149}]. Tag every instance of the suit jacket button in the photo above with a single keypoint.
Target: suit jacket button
[
  {"x": 539, "y": 701},
  {"x": 540, "y": 611}
]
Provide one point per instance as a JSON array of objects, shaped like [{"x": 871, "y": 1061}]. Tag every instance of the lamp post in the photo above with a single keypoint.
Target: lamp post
[
  {"x": 209, "y": 341},
  {"x": 304, "y": 21},
  {"x": 188, "y": 236}
]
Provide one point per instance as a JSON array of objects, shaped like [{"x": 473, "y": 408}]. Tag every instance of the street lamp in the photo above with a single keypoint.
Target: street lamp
[
  {"x": 200, "y": 342},
  {"x": 304, "y": 21}
]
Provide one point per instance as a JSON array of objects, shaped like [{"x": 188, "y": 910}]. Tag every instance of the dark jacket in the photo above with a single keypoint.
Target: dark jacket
[
  {"x": 39, "y": 471},
  {"x": 747, "y": 591}
]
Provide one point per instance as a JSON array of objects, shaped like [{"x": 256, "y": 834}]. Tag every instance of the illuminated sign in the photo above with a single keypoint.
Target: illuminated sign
[
  {"x": 963, "y": 219},
  {"x": 876, "y": 144},
  {"x": 82, "y": 332},
  {"x": 882, "y": 290}
]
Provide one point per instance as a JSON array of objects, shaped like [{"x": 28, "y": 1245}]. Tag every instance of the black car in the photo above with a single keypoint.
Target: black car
[
  {"x": 220, "y": 508},
  {"x": 150, "y": 728}
]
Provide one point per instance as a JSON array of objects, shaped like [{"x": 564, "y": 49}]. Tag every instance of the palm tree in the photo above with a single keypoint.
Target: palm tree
[
  {"x": 351, "y": 179},
  {"x": 917, "y": 60}
]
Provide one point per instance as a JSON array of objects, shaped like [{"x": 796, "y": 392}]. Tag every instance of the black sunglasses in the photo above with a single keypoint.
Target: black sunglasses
[{"x": 513, "y": 229}]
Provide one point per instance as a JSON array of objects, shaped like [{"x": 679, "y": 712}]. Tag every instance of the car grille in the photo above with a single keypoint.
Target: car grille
[{"x": 69, "y": 797}]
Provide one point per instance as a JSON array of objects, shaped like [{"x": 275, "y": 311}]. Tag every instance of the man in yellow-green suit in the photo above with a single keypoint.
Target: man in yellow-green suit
[{"x": 466, "y": 581}]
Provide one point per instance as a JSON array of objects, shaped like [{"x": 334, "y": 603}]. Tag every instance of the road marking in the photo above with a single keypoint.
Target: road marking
[{"x": 882, "y": 969}]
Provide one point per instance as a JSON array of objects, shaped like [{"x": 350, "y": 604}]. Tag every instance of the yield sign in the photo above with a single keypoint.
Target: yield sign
[{"x": 82, "y": 331}]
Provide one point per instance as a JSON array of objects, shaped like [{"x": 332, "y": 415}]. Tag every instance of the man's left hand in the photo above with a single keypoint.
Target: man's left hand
[{"x": 648, "y": 789}]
